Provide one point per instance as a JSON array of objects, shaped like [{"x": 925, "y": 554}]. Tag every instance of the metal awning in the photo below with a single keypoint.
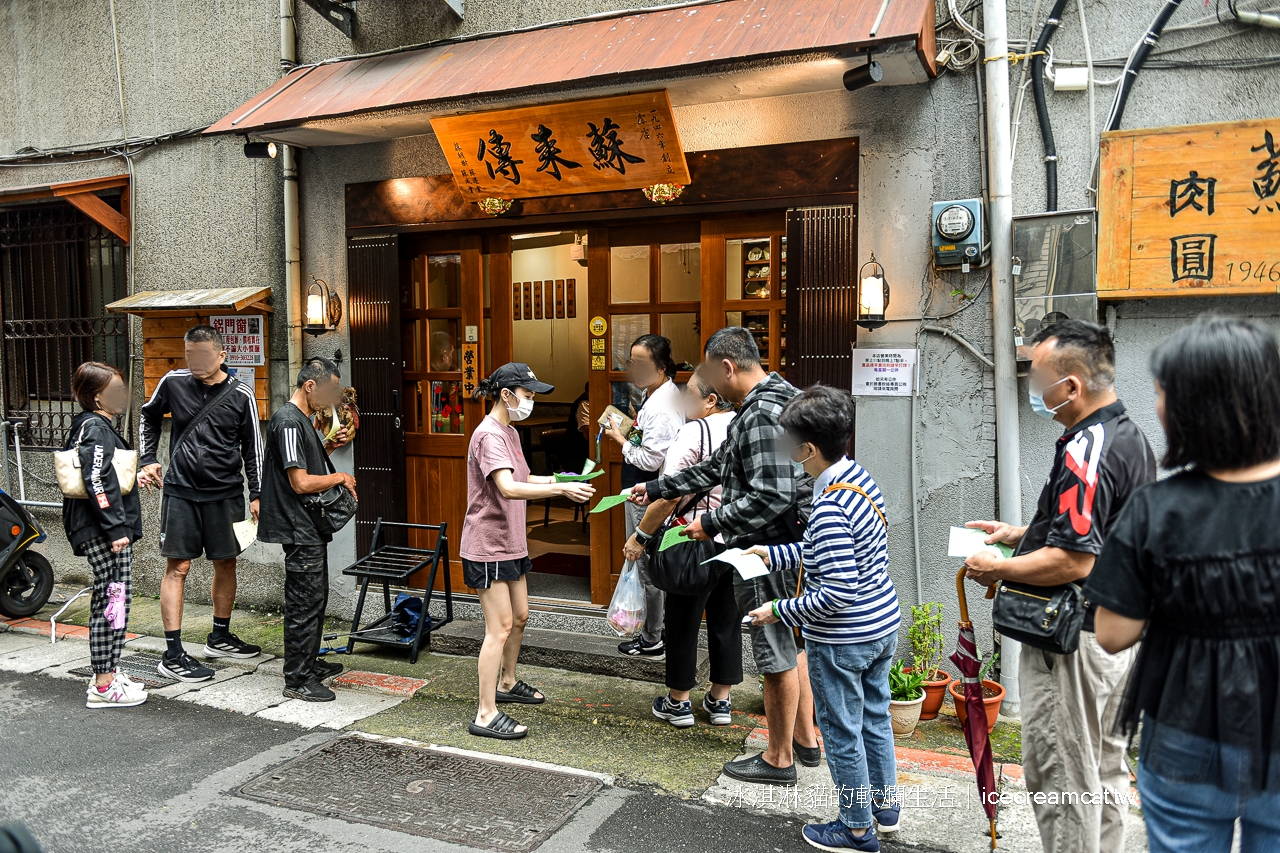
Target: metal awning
[
  {"x": 704, "y": 53},
  {"x": 151, "y": 302}
]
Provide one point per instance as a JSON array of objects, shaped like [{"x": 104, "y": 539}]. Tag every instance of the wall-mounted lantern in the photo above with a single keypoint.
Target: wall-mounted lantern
[
  {"x": 323, "y": 308},
  {"x": 873, "y": 295}
]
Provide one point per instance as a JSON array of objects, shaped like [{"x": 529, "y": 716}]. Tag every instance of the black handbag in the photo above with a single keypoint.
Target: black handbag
[
  {"x": 1043, "y": 617},
  {"x": 331, "y": 509},
  {"x": 682, "y": 569}
]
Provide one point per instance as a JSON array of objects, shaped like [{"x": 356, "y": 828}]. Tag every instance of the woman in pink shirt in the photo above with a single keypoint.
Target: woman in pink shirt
[{"x": 494, "y": 546}]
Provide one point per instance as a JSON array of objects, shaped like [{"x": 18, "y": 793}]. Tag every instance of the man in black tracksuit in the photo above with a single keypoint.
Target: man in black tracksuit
[{"x": 203, "y": 489}]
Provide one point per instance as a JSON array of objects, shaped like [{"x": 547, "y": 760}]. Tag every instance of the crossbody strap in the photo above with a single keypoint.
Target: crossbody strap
[
  {"x": 202, "y": 416},
  {"x": 850, "y": 487}
]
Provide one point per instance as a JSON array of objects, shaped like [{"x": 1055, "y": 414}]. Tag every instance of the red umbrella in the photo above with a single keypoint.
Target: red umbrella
[{"x": 965, "y": 657}]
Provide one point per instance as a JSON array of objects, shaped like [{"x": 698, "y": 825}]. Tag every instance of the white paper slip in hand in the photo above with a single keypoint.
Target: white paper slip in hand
[
  {"x": 967, "y": 541},
  {"x": 246, "y": 531},
  {"x": 747, "y": 565}
]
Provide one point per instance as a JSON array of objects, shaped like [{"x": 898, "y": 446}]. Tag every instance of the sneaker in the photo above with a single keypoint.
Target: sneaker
[
  {"x": 718, "y": 709},
  {"x": 129, "y": 683},
  {"x": 678, "y": 714},
  {"x": 886, "y": 816},
  {"x": 327, "y": 669},
  {"x": 312, "y": 691},
  {"x": 756, "y": 770},
  {"x": 115, "y": 696},
  {"x": 837, "y": 838},
  {"x": 184, "y": 668},
  {"x": 809, "y": 756},
  {"x": 637, "y": 648},
  {"x": 229, "y": 646}
]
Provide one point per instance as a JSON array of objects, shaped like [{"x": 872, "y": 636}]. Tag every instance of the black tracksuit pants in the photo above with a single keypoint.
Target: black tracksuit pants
[
  {"x": 683, "y": 620},
  {"x": 306, "y": 595}
]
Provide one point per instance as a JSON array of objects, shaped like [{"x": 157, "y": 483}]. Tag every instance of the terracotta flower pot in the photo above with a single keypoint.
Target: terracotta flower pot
[
  {"x": 905, "y": 715},
  {"x": 994, "y": 695},
  {"x": 934, "y": 694}
]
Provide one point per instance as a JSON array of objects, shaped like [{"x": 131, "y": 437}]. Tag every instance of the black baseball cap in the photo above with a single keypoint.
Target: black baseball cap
[{"x": 516, "y": 374}]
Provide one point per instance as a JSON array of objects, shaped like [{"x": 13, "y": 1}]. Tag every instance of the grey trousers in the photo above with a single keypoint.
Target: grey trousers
[
  {"x": 1070, "y": 748},
  {"x": 654, "y": 599}
]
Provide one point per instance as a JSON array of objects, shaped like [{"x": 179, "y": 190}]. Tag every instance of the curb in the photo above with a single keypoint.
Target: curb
[
  {"x": 375, "y": 682},
  {"x": 41, "y": 627}
]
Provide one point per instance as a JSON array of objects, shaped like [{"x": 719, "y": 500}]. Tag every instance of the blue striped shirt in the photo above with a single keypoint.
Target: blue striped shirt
[{"x": 847, "y": 595}]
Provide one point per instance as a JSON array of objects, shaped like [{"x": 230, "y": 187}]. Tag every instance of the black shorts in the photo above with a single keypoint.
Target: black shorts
[
  {"x": 191, "y": 528},
  {"x": 482, "y": 575}
]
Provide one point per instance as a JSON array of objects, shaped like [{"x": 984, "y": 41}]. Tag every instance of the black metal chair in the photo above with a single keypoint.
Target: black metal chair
[{"x": 396, "y": 564}]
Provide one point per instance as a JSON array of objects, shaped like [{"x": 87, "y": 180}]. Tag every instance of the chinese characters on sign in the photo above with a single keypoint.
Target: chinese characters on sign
[
  {"x": 884, "y": 372},
  {"x": 604, "y": 144},
  {"x": 242, "y": 335},
  {"x": 1188, "y": 209},
  {"x": 470, "y": 369}
]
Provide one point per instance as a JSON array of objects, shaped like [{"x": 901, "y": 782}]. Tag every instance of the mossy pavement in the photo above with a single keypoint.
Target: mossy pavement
[{"x": 592, "y": 722}]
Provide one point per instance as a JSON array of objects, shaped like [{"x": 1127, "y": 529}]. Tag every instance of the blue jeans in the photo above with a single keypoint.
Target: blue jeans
[
  {"x": 851, "y": 697},
  {"x": 1186, "y": 809}
]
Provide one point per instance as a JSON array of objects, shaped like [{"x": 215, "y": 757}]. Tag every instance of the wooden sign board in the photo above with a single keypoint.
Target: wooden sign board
[
  {"x": 1189, "y": 211},
  {"x": 604, "y": 144}
]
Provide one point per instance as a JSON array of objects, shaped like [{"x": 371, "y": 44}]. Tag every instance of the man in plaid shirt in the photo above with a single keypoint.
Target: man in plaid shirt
[{"x": 765, "y": 501}]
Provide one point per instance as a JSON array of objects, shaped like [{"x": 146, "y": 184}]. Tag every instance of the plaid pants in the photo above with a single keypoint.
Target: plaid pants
[{"x": 105, "y": 645}]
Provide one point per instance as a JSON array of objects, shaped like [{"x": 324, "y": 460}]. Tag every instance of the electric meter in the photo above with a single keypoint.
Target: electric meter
[
  {"x": 957, "y": 233},
  {"x": 955, "y": 222}
]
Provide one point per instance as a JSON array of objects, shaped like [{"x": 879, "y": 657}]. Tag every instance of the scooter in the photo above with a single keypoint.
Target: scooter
[{"x": 26, "y": 577}]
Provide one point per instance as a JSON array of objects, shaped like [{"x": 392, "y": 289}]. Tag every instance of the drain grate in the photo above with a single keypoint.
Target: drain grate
[
  {"x": 427, "y": 792},
  {"x": 141, "y": 666}
]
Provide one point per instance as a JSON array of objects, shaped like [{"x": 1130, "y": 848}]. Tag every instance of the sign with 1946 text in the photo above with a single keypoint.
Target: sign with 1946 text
[{"x": 1189, "y": 211}]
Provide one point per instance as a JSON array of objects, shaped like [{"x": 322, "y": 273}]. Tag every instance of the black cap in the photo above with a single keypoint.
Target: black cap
[{"x": 516, "y": 374}]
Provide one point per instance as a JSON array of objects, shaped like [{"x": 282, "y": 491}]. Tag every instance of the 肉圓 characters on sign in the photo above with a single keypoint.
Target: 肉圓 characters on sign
[
  {"x": 1186, "y": 210},
  {"x": 603, "y": 144},
  {"x": 242, "y": 335},
  {"x": 884, "y": 372}
]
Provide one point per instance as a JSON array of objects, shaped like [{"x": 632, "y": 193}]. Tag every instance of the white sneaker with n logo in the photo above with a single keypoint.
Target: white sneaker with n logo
[{"x": 117, "y": 695}]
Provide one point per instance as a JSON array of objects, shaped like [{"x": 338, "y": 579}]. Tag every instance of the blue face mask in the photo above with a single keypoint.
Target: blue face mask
[
  {"x": 799, "y": 466},
  {"x": 1037, "y": 400}
]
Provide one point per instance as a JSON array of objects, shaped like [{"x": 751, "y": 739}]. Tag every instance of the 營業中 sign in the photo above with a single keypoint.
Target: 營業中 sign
[
  {"x": 1191, "y": 210},
  {"x": 884, "y": 372},
  {"x": 603, "y": 144},
  {"x": 243, "y": 337}
]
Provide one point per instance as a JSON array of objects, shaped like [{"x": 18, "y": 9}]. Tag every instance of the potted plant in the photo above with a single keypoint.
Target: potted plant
[
  {"x": 906, "y": 695},
  {"x": 992, "y": 694},
  {"x": 927, "y": 649}
]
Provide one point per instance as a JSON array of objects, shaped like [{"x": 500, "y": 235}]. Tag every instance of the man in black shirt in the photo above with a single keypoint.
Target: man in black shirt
[
  {"x": 296, "y": 466},
  {"x": 203, "y": 489},
  {"x": 1069, "y": 702}
]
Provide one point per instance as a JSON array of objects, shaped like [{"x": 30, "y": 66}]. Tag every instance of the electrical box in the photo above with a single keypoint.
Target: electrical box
[{"x": 957, "y": 232}]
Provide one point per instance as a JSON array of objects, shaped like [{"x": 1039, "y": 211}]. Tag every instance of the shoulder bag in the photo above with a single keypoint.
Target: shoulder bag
[
  {"x": 66, "y": 464},
  {"x": 1044, "y": 617},
  {"x": 331, "y": 509},
  {"x": 682, "y": 569}
]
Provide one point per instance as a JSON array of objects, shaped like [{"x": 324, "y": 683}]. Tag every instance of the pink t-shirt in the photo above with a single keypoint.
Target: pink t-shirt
[{"x": 494, "y": 527}]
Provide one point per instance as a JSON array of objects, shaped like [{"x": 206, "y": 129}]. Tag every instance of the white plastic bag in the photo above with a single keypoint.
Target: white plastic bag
[{"x": 626, "y": 610}]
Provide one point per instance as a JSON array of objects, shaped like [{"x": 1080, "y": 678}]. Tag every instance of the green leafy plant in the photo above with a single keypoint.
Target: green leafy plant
[
  {"x": 925, "y": 636},
  {"x": 960, "y": 294},
  {"x": 905, "y": 686},
  {"x": 987, "y": 665}
]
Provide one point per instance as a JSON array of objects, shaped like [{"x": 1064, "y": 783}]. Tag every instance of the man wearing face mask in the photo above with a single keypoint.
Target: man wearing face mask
[{"x": 1070, "y": 702}]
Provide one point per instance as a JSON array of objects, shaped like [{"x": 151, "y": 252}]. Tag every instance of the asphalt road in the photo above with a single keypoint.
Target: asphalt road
[{"x": 159, "y": 778}]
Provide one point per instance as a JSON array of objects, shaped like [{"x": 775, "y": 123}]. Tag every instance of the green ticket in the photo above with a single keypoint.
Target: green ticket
[
  {"x": 578, "y": 478},
  {"x": 673, "y": 536},
  {"x": 609, "y": 502}
]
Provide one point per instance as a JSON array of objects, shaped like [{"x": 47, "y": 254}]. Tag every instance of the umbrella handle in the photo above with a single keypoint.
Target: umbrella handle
[{"x": 964, "y": 602}]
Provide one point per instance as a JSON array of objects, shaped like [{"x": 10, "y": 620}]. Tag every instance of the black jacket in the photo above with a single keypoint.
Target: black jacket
[
  {"x": 105, "y": 513},
  {"x": 208, "y": 464}
]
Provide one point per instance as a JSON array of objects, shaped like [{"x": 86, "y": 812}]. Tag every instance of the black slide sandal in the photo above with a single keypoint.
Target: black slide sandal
[
  {"x": 501, "y": 727},
  {"x": 520, "y": 694}
]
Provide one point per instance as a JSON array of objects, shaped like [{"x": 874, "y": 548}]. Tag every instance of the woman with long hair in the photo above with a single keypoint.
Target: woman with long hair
[{"x": 495, "y": 547}]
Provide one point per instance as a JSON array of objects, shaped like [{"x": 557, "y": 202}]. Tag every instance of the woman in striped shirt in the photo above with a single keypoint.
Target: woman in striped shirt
[{"x": 848, "y": 613}]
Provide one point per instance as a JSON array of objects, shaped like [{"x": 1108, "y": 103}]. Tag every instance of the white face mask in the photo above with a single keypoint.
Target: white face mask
[{"x": 524, "y": 408}]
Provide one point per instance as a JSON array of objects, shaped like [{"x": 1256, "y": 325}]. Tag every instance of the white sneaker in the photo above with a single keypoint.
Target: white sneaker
[
  {"x": 117, "y": 695},
  {"x": 135, "y": 686}
]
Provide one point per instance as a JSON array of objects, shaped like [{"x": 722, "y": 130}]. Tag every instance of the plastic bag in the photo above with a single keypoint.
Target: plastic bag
[{"x": 626, "y": 610}]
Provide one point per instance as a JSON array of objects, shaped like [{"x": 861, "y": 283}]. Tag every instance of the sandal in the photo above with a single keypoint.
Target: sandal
[
  {"x": 501, "y": 727},
  {"x": 520, "y": 694}
]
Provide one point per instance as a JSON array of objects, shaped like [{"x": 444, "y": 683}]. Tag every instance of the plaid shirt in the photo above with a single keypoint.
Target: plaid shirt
[{"x": 759, "y": 483}]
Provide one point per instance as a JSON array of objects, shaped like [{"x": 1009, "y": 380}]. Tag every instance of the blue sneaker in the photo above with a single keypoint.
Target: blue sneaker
[
  {"x": 678, "y": 714},
  {"x": 837, "y": 838},
  {"x": 886, "y": 816},
  {"x": 719, "y": 710}
]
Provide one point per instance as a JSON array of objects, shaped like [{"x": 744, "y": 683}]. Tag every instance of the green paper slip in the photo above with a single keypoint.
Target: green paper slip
[
  {"x": 964, "y": 542},
  {"x": 609, "y": 502},
  {"x": 673, "y": 536},
  {"x": 577, "y": 478}
]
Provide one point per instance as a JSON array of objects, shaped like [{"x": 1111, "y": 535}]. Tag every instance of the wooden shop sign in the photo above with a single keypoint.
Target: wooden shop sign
[{"x": 600, "y": 145}]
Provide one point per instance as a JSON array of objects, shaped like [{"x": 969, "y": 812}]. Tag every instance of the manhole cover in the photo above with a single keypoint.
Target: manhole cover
[
  {"x": 141, "y": 667},
  {"x": 427, "y": 792}
]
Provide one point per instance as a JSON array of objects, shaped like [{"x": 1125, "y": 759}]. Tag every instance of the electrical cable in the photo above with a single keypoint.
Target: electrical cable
[
  {"x": 1094, "y": 144},
  {"x": 958, "y": 19},
  {"x": 1042, "y": 106},
  {"x": 1136, "y": 61},
  {"x": 1022, "y": 93}
]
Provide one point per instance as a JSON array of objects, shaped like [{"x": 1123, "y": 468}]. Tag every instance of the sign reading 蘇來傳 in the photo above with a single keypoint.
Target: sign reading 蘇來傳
[
  {"x": 242, "y": 335},
  {"x": 615, "y": 143},
  {"x": 884, "y": 372},
  {"x": 1191, "y": 210}
]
